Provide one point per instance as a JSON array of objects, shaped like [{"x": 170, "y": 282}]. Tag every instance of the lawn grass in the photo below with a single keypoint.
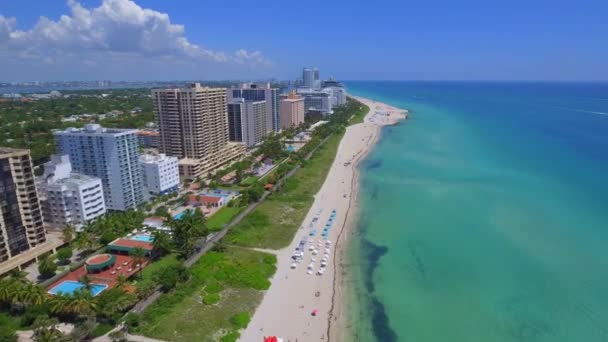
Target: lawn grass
[
  {"x": 274, "y": 223},
  {"x": 249, "y": 180},
  {"x": 8, "y": 326},
  {"x": 149, "y": 271},
  {"x": 102, "y": 329},
  {"x": 359, "y": 115},
  {"x": 222, "y": 217},
  {"x": 181, "y": 315}
]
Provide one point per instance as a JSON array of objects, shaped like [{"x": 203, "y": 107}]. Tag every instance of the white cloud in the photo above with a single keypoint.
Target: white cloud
[{"x": 116, "y": 29}]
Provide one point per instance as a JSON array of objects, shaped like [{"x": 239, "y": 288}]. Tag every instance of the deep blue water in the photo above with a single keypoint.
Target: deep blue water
[{"x": 485, "y": 215}]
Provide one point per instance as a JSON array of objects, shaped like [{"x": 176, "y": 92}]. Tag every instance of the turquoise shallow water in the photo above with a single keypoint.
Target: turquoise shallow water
[{"x": 485, "y": 216}]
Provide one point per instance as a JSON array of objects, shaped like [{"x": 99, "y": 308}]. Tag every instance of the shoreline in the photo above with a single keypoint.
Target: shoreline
[{"x": 285, "y": 310}]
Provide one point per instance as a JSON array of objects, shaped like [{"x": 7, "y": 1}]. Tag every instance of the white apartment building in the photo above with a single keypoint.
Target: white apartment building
[
  {"x": 160, "y": 174},
  {"x": 109, "y": 154},
  {"x": 317, "y": 100},
  {"x": 67, "y": 197}
]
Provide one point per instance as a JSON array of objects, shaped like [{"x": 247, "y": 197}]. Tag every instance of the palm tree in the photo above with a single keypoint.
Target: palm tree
[
  {"x": 138, "y": 254},
  {"x": 162, "y": 242},
  {"x": 45, "y": 330},
  {"x": 58, "y": 304},
  {"x": 86, "y": 281},
  {"x": 68, "y": 233},
  {"x": 121, "y": 281},
  {"x": 82, "y": 303},
  {"x": 31, "y": 294},
  {"x": 7, "y": 290},
  {"x": 85, "y": 241}
]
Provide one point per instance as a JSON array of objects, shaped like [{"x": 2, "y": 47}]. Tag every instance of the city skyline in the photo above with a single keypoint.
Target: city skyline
[{"x": 154, "y": 40}]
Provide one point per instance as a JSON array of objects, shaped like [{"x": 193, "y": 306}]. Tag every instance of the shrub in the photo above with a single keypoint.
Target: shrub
[
  {"x": 211, "y": 299},
  {"x": 169, "y": 277},
  {"x": 214, "y": 286},
  {"x": 64, "y": 255},
  {"x": 102, "y": 329},
  {"x": 231, "y": 336},
  {"x": 47, "y": 268},
  {"x": 107, "y": 237},
  {"x": 240, "y": 320},
  {"x": 132, "y": 320}
]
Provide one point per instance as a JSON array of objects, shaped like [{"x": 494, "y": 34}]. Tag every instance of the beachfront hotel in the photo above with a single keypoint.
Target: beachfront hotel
[
  {"x": 69, "y": 198},
  {"x": 260, "y": 92},
  {"x": 193, "y": 126},
  {"x": 292, "y": 110},
  {"x": 160, "y": 173},
  {"x": 21, "y": 225},
  {"x": 109, "y": 154},
  {"x": 247, "y": 121}
]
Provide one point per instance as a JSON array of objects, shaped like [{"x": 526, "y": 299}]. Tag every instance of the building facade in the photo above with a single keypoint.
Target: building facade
[
  {"x": 311, "y": 78},
  {"x": 317, "y": 100},
  {"x": 160, "y": 174},
  {"x": 109, "y": 154},
  {"x": 193, "y": 126},
  {"x": 260, "y": 92},
  {"x": 148, "y": 138},
  {"x": 70, "y": 198},
  {"x": 21, "y": 225},
  {"x": 247, "y": 121},
  {"x": 292, "y": 111}
]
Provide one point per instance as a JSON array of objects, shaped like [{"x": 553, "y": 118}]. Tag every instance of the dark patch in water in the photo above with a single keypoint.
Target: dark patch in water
[
  {"x": 380, "y": 322},
  {"x": 382, "y": 330},
  {"x": 373, "y": 253},
  {"x": 417, "y": 261},
  {"x": 374, "y": 164},
  {"x": 374, "y": 193}
]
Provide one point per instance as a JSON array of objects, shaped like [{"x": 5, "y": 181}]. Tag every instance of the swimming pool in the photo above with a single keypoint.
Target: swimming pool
[
  {"x": 290, "y": 148},
  {"x": 70, "y": 286},
  {"x": 142, "y": 237}
]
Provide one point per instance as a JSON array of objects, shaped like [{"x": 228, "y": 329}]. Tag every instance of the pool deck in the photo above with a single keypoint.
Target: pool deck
[{"x": 105, "y": 277}]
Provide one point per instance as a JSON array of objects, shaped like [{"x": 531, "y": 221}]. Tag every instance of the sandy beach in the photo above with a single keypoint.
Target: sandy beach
[{"x": 287, "y": 307}]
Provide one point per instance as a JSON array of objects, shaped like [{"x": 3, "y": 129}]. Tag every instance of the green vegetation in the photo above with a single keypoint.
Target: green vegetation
[
  {"x": 211, "y": 299},
  {"x": 187, "y": 231},
  {"x": 64, "y": 255},
  {"x": 359, "y": 109},
  {"x": 107, "y": 228},
  {"x": 249, "y": 180},
  {"x": 240, "y": 320},
  {"x": 8, "y": 326},
  {"x": 29, "y": 124},
  {"x": 222, "y": 217},
  {"x": 47, "y": 267},
  {"x": 183, "y": 314},
  {"x": 274, "y": 222},
  {"x": 102, "y": 329}
]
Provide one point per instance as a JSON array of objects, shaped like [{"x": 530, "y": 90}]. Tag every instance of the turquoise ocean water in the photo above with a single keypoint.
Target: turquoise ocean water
[{"x": 485, "y": 216}]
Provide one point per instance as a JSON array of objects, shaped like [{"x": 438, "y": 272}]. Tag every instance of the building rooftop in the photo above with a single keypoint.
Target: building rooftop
[
  {"x": 95, "y": 129},
  {"x": 154, "y": 158},
  {"x": 75, "y": 180},
  {"x": 9, "y": 150}
]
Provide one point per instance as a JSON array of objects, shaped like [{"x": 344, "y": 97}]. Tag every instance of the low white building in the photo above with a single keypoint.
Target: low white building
[
  {"x": 160, "y": 174},
  {"x": 70, "y": 198}
]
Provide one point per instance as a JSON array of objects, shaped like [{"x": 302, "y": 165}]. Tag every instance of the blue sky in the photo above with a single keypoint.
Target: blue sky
[{"x": 380, "y": 40}]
